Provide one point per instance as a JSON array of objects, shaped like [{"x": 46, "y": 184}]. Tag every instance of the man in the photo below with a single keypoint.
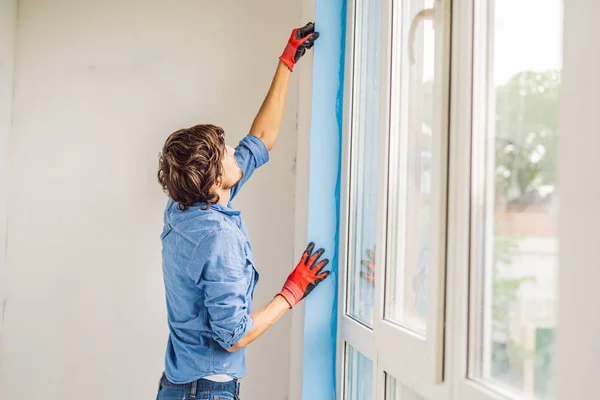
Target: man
[{"x": 208, "y": 266}]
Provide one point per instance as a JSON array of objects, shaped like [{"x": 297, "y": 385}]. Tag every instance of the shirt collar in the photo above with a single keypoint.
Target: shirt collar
[{"x": 227, "y": 210}]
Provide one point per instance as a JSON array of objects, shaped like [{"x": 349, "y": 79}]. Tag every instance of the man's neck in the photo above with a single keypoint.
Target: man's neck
[{"x": 224, "y": 197}]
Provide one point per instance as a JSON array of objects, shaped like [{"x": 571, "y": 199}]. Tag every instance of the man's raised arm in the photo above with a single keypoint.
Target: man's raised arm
[{"x": 267, "y": 123}]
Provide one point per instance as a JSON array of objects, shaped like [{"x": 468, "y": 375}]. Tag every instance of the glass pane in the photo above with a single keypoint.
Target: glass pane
[
  {"x": 359, "y": 376},
  {"x": 394, "y": 390},
  {"x": 517, "y": 241},
  {"x": 411, "y": 196},
  {"x": 363, "y": 186}
]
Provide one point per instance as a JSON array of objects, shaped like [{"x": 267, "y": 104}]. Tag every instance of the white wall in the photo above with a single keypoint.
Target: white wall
[
  {"x": 578, "y": 346},
  {"x": 7, "y": 30},
  {"x": 98, "y": 87}
]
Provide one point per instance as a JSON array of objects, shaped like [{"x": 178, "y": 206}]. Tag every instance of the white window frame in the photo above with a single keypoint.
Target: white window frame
[
  {"x": 470, "y": 72},
  {"x": 577, "y": 347},
  {"x": 468, "y": 174},
  {"x": 8, "y": 27},
  {"x": 423, "y": 360}
]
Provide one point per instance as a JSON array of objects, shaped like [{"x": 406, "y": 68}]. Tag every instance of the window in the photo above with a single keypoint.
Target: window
[
  {"x": 358, "y": 379},
  {"x": 514, "y": 239},
  {"x": 393, "y": 216},
  {"x": 411, "y": 197},
  {"x": 363, "y": 198},
  {"x": 449, "y": 250},
  {"x": 394, "y": 390}
]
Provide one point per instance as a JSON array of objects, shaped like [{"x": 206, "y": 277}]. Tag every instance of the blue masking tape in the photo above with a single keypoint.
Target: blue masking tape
[
  {"x": 339, "y": 108},
  {"x": 320, "y": 326}
]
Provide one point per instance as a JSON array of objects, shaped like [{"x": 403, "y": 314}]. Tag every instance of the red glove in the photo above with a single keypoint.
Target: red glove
[
  {"x": 301, "y": 40},
  {"x": 368, "y": 273},
  {"x": 305, "y": 277}
]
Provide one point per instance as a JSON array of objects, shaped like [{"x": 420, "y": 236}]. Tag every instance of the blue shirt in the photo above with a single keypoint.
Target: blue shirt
[{"x": 209, "y": 278}]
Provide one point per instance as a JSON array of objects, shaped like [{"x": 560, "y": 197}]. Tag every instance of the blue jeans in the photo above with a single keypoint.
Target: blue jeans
[{"x": 201, "y": 389}]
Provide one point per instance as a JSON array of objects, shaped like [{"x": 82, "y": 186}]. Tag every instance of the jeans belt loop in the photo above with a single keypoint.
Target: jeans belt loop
[{"x": 193, "y": 389}]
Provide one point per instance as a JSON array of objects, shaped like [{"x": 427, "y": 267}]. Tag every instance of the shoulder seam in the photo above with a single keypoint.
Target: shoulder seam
[{"x": 184, "y": 235}]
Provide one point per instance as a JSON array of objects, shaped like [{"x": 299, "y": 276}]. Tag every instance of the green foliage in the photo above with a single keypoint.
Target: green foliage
[
  {"x": 505, "y": 290},
  {"x": 525, "y": 160},
  {"x": 526, "y": 131},
  {"x": 507, "y": 356},
  {"x": 526, "y": 144}
]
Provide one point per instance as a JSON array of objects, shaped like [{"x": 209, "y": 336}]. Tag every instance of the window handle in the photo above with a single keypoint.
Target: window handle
[{"x": 426, "y": 14}]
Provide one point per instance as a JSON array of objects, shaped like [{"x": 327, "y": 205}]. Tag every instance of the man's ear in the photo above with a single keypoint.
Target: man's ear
[{"x": 217, "y": 185}]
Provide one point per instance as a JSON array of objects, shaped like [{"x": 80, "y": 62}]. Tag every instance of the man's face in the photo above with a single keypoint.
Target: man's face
[{"x": 232, "y": 173}]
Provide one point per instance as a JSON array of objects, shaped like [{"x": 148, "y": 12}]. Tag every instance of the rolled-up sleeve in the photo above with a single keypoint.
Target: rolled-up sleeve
[
  {"x": 250, "y": 154},
  {"x": 218, "y": 269}
]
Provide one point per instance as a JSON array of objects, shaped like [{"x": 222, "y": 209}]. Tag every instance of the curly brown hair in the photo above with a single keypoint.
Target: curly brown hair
[{"x": 190, "y": 163}]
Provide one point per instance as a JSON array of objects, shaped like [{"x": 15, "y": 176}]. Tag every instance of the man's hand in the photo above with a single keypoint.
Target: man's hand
[
  {"x": 302, "y": 39},
  {"x": 305, "y": 277}
]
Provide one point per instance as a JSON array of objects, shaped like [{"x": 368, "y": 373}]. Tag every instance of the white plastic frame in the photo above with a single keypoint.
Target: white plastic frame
[
  {"x": 472, "y": 103},
  {"x": 422, "y": 366},
  {"x": 577, "y": 346}
]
